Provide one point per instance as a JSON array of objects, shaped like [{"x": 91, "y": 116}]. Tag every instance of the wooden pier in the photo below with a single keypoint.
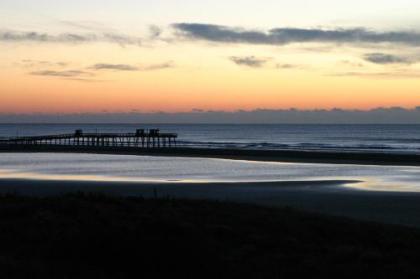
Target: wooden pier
[{"x": 141, "y": 138}]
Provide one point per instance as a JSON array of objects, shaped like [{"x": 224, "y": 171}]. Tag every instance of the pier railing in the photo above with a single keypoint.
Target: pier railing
[{"x": 141, "y": 139}]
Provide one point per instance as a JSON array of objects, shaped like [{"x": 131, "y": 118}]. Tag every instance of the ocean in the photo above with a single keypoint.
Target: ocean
[{"x": 362, "y": 138}]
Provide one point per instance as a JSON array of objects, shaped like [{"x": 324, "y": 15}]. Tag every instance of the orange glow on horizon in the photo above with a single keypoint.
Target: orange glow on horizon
[{"x": 200, "y": 79}]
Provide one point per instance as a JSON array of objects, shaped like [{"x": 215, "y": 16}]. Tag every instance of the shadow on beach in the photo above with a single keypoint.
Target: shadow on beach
[{"x": 95, "y": 236}]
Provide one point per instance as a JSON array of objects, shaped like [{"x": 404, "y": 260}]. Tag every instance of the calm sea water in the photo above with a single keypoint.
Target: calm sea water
[{"x": 376, "y": 138}]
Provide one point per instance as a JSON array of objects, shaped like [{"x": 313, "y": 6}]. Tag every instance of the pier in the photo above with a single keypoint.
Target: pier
[{"x": 141, "y": 139}]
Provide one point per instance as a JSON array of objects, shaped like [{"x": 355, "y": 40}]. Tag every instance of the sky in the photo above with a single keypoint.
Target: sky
[{"x": 131, "y": 56}]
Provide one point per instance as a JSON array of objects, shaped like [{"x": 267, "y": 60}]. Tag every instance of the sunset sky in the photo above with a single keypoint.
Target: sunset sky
[{"x": 179, "y": 56}]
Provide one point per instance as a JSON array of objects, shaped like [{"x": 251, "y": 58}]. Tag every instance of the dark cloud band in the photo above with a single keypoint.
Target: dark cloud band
[
  {"x": 283, "y": 36},
  {"x": 14, "y": 36},
  {"x": 318, "y": 116}
]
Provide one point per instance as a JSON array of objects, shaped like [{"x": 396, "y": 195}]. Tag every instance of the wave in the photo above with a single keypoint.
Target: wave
[
  {"x": 301, "y": 146},
  {"x": 378, "y": 139}
]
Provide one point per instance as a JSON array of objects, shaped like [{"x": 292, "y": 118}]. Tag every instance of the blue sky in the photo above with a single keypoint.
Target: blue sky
[{"x": 376, "y": 13}]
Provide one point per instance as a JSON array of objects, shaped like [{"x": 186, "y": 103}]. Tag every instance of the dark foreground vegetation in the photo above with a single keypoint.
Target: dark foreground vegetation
[{"x": 90, "y": 236}]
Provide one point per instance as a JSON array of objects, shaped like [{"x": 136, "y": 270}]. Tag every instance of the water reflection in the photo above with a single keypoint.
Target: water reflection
[{"x": 91, "y": 167}]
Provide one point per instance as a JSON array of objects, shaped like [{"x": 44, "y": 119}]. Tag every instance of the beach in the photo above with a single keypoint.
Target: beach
[
  {"x": 99, "y": 236},
  {"x": 228, "y": 213},
  {"x": 382, "y": 193},
  {"x": 109, "y": 215},
  {"x": 325, "y": 197}
]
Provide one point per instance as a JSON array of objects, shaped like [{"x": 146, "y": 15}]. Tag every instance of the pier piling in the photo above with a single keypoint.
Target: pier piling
[{"x": 140, "y": 139}]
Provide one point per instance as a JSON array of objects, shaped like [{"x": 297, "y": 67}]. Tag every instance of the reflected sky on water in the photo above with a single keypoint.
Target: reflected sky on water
[{"x": 92, "y": 167}]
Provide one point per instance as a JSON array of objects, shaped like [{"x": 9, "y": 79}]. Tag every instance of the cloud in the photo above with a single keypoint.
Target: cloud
[
  {"x": 382, "y": 58},
  {"x": 350, "y": 63},
  {"x": 117, "y": 67},
  {"x": 249, "y": 61},
  {"x": 392, "y": 115},
  {"x": 86, "y": 76},
  {"x": 286, "y": 66},
  {"x": 41, "y": 63},
  {"x": 64, "y": 74},
  {"x": 126, "y": 67},
  {"x": 69, "y": 38},
  {"x": 85, "y": 25},
  {"x": 284, "y": 36},
  {"x": 155, "y": 67},
  {"x": 155, "y": 31},
  {"x": 381, "y": 75}
]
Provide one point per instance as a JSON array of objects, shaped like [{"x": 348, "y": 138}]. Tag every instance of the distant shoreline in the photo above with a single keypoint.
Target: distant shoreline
[{"x": 293, "y": 156}]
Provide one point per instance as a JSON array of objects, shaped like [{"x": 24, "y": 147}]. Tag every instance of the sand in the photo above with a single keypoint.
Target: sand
[{"x": 325, "y": 197}]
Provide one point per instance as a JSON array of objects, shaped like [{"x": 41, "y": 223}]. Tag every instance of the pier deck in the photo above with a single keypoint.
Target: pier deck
[{"x": 141, "y": 138}]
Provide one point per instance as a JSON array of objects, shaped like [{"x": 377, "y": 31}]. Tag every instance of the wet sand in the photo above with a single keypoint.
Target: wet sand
[
  {"x": 294, "y": 156},
  {"x": 325, "y": 197}
]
